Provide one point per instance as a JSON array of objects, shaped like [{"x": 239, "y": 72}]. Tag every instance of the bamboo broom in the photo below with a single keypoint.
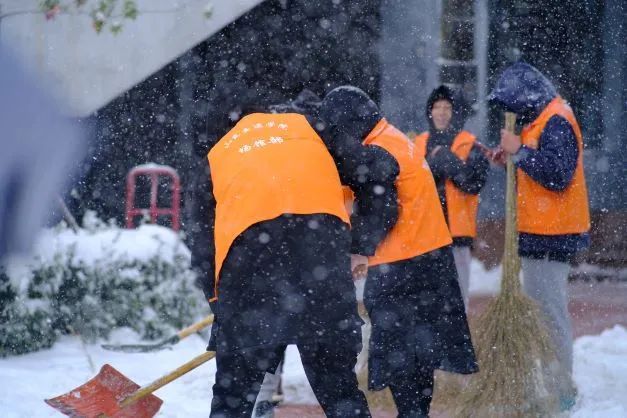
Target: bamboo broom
[{"x": 515, "y": 353}]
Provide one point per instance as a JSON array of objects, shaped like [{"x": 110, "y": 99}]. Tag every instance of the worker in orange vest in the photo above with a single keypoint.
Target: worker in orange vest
[
  {"x": 552, "y": 199},
  {"x": 460, "y": 170},
  {"x": 411, "y": 294},
  {"x": 277, "y": 270}
]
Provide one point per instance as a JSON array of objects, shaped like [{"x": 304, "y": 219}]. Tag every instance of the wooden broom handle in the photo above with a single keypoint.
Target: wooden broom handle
[
  {"x": 164, "y": 380},
  {"x": 511, "y": 262},
  {"x": 186, "y": 332}
]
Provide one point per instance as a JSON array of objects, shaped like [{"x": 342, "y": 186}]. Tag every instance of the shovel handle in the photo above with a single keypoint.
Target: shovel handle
[
  {"x": 186, "y": 332},
  {"x": 164, "y": 380}
]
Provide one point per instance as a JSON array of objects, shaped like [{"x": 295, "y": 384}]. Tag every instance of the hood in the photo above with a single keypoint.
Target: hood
[
  {"x": 523, "y": 89},
  {"x": 461, "y": 109},
  {"x": 350, "y": 110}
]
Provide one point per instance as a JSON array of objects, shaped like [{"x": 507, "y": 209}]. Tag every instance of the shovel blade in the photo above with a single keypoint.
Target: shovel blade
[{"x": 101, "y": 397}]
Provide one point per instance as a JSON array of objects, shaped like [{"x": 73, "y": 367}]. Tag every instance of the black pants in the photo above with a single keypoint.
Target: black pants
[
  {"x": 412, "y": 393},
  {"x": 329, "y": 369}
]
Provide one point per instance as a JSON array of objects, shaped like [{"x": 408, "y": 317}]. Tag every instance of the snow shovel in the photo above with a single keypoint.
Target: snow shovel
[
  {"x": 110, "y": 394},
  {"x": 145, "y": 348}
]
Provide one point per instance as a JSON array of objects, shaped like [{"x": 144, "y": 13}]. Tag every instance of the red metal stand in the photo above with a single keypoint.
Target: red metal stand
[{"x": 154, "y": 171}]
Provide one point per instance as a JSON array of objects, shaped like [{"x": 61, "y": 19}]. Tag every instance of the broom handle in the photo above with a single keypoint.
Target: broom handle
[
  {"x": 164, "y": 380},
  {"x": 186, "y": 332},
  {"x": 511, "y": 262}
]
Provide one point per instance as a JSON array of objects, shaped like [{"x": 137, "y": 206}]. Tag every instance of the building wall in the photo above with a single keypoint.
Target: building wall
[{"x": 86, "y": 70}]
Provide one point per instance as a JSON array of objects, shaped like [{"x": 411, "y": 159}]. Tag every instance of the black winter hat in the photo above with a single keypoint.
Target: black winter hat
[
  {"x": 461, "y": 110},
  {"x": 349, "y": 109}
]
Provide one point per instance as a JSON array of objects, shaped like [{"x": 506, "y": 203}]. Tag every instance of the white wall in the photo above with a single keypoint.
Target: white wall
[{"x": 86, "y": 70}]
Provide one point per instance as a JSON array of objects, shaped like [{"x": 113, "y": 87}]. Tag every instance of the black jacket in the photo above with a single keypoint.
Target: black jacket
[{"x": 418, "y": 318}]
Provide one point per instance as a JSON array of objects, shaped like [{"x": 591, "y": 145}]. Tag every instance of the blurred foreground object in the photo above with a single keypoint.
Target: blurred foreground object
[{"x": 39, "y": 147}]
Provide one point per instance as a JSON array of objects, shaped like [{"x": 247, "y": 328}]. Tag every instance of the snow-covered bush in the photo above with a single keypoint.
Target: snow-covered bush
[
  {"x": 23, "y": 327},
  {"x": 94, "y": 280}
]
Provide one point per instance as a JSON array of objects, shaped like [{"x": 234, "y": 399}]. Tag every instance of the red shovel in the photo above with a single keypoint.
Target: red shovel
[{"x": 110, "y": 394}]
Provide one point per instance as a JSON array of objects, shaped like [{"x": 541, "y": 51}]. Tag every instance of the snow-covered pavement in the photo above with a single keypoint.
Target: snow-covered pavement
[{"x": 600, "y": 373}]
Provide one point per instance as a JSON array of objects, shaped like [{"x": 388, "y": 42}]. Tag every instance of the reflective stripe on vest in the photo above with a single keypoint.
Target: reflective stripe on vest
[
  {"x": 266, "y": 166},
  {"x": 421, "y": 226},
  {"x": 461, "y": 207},
  {"x": 545, "y": 212}
]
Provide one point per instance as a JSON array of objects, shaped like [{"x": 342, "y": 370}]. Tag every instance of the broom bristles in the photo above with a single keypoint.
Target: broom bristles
[{"x": 517, "y": 364}]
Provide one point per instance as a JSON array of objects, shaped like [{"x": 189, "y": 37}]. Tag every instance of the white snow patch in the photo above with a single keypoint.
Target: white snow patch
[
  {"x": 601, "y": 374},
  {"x": 483, "y": 281},
  {"x": 295, "y": 385},
  {"x": 93, "y": 247}
]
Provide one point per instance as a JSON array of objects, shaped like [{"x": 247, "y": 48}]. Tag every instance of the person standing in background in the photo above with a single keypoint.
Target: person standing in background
[{"x": 460, "y": 171}]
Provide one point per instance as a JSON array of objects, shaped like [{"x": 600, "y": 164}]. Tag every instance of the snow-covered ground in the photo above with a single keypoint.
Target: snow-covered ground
[
  {"x": 600, "y": 361},
  {"x": 600, "y": 373}
]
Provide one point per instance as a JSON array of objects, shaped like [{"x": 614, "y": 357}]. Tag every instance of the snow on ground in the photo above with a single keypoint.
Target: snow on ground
[
  {"x": 482, "y": 281},
  {"x": 600, "y": 370},
  {"x": 600, "y": 373},
  {"x": 28, "y": 379}
]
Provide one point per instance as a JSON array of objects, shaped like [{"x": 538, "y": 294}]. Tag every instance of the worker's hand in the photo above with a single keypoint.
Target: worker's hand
[
  {"x": 359, "y": 266},
  {"x": 497, "y": 156},
  {"x": 510, "y": 142}
]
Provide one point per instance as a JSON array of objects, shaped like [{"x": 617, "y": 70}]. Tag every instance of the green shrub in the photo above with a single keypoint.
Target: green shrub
[{"x": 68, "y": 290}]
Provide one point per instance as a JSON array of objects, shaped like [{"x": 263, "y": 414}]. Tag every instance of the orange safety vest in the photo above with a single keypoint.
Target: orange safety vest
[
  {"x": 461, "y": 207},
  {"x": 421, "y": 226},
  {"x": 266, "y": 166},
  {"x": 545, "y": 212}
]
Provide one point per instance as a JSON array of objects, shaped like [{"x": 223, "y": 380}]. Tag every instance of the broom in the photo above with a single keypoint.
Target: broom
[{"x": 514, "y": 350}]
